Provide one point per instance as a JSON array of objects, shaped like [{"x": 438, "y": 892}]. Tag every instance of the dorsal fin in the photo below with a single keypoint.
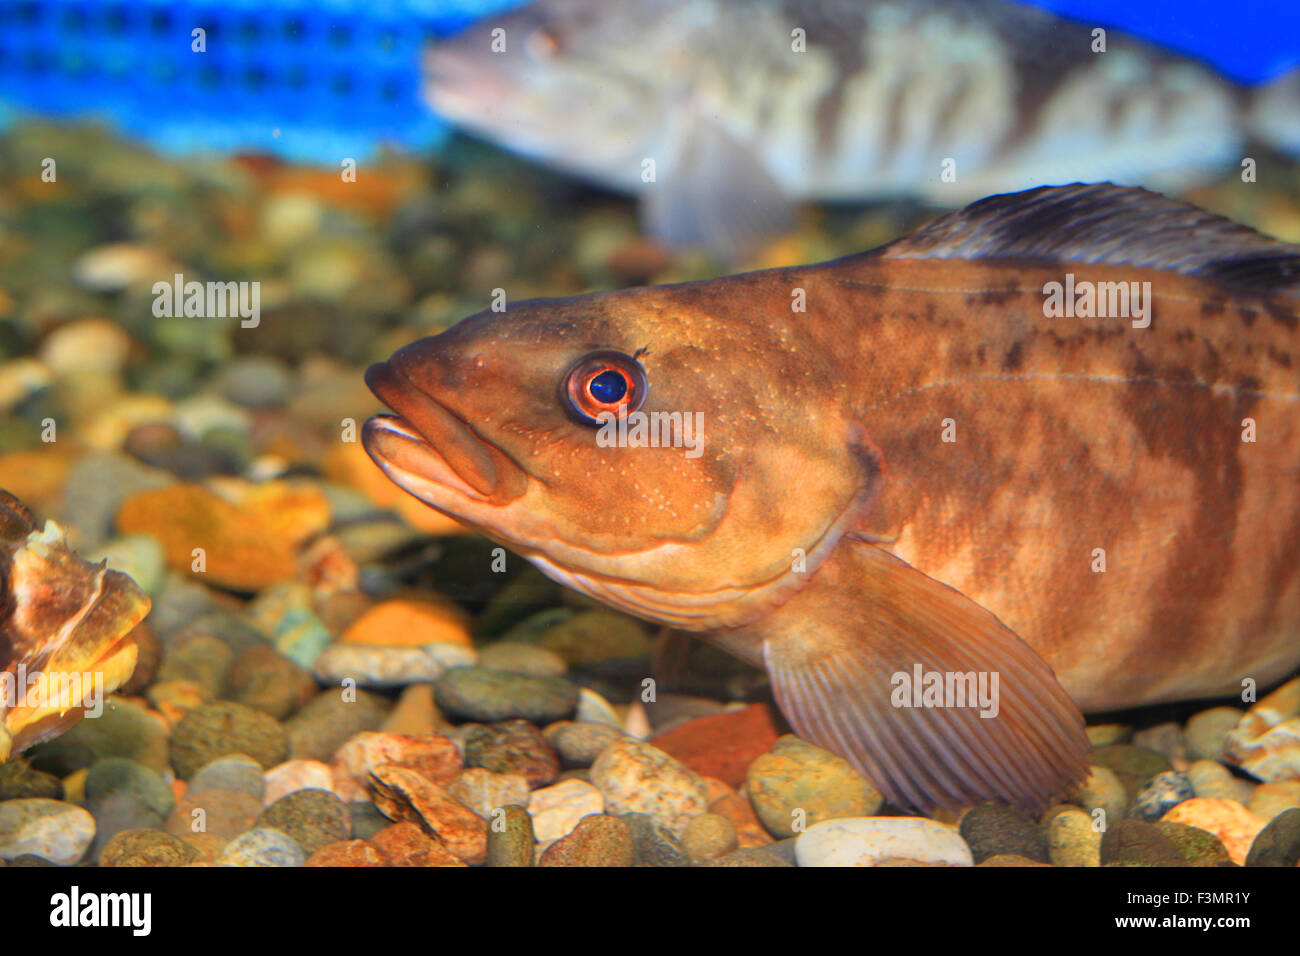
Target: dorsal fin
[{"x": 1104, "y": 223}]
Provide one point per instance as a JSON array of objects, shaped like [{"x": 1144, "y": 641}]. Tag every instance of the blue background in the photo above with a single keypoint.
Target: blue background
[{"x": 314, "y": 80}]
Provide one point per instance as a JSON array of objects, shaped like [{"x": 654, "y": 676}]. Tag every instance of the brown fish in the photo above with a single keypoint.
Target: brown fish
[{"x": 1047, "y": 447}]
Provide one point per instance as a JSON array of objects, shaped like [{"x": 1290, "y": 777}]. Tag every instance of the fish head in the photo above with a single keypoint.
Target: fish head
[
  {"x": 740, "y": 480},
  {"x": 563, "y": 81}
]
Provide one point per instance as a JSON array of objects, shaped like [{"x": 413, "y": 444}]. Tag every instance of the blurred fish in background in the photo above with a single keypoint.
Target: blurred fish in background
[{"x": 746, "y": 106}]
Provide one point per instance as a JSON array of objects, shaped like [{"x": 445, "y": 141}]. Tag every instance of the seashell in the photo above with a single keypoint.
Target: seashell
[{"x": 65, "y": 630}]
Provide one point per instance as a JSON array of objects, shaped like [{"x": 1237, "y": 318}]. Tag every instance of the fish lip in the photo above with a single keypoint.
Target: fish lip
[{"x": 427, "y": 440}]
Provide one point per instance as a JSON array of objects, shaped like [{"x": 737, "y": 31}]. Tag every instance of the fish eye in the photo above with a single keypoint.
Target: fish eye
[{"x": 601, "y": 382}]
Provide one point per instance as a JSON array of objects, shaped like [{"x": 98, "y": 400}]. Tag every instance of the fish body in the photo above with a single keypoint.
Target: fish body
[
  {"x": 717, "y": 113},
  {"x": 912, "y": 458}
]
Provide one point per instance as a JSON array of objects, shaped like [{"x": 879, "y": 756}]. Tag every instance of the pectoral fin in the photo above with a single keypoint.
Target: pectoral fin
[{"x": 833, "y": 653}]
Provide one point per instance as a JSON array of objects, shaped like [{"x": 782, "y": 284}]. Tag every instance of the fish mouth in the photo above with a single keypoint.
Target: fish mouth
[{"x": 429, "y": 450}]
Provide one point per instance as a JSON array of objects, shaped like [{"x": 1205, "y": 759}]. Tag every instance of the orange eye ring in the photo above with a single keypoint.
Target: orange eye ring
[{"x": 603, "y": 382}]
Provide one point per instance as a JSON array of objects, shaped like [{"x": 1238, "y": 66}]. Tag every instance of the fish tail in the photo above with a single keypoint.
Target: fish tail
[
  {"x": 1274, "y": 116},
  {"x": 850, "y": 659}
]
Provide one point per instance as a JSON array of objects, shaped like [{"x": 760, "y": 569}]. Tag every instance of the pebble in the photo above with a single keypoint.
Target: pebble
[
  {"x": 594, "y": 709},
  {"x": 737, "y": 808},
  {"x": 329, "y": 719},
  {"x": 1270, "y": 799},
  {"x": 434, "y": 757},
  {"x": 518, "y": 658},
  {"x": 556, "y": 810},
  {"x": 511, "y": 747},
  {"x": 635, "y": 777},
  {"x": 1272, "y": 755},
  {"x": 1103, "y": 735},
  {"x": 256, "y": 381},
  {"x": 348, "y": 853},
  {"x": 366, "y": 819},
  {"x": 751, "y": 856},
  {"x": 406, "y": 844},
  {"x": 118, "y": 812},
  {"x": 1101, "y": 790},
  {"x": 1214, "y": 780},
  {"x": 1198, "y": 847},
  {"x": 125, "y": 729},
  {"x": 1278, "y": 844},
  {"x": 511, "y": 841},
  {"x": 709, "y": 836},
  {"x": 50, "y": 829},
  {"x": 414, "y": 712},
  {"x": 199, "y": 658},
  {"x": 992, "y": 828},
  {"x": 1133, "y": 765},
  {"x": 1136, "y": 842},
  {"x": 1161, "y": 794},
  {"x": 311, "y": 818},
  {"x": 1206, "y": 731},
  {"x": 147, "y": 848},
  {"x": 266, "y": 680},
  {"x": 120, "y": 775},
  {"x": 403, "y": 794},
  {"x": 262, "y": 847},
  {"x": 380, "y": 668},
  {"x": 599, "y": 840},
  {"x": 1072, "y": 840},
  {"x": 410, "y": 622},
  {"x": 486, "y": 792},
  {"x": 1166, "y": 739},
  {"x": 797, "y": 784},
  {"x": 1234, "y": 825},
  {"x": 224, "y": 813},
  {"x": 656, "y": 845},
  {"x": 294, "y": 775},
  {"x": 215, "y": 730},
  {"x": 870, "y": 841},
  {"x": 579, "y": 744},
  {"x": 18, "y": 780},
  {"x": 600, "y": 640},
  {"x": 235, "y": 772},
  {"x": 86, "y": 346},
  {"x": 473, "y": 693},
  {"x": 723, "y": 745}
]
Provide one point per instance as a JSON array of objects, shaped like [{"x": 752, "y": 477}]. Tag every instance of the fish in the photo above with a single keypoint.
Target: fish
[
  {"x": 722, "y": 115},
  {"x": 912, "y": 461}
]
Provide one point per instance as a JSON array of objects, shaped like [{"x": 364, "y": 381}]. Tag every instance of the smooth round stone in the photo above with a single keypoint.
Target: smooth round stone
[
  {"x": 991, "y": 829},
  {"x": 125, "y": 729},
  {"x": 557, "y": 809},
  {"x": 311, "y": 818},
  {"x": 797, "y": 784},
  {"x": 1133, "y": 765},
  {"x": 216, "y": 730},
  {"x": 636, "y": 777},
  {"x": 50, "y": 829},
  {"x": 1164, "y": 792},
  {"x": 1198, "y": 847},
  {"x": 1205, "y": 732},
  {"x": 1102, "y": 790},
  {"x": 200, "y": 658},
  {"x": 294, "y": 775},
  {"x": 472, "y": 693},
  {"x": 1167, "y": 739},
  {"x": 1213, "y": 780},
  {"x": 869, "y": 841},
  {"x": 235, "y": 772},
  {"x": 518, "y": 658},
  {"x": 709, "y": 836},
  {"x": 1138, "y": 843},
  {"x": 379, "y": 667},
  {"x": 1072, "y": 840},
  {"x": 18, "y": 780},
  {"x": 1278, "y": 844},
  {"x": 266, "y": 680},
  {"x": 1270, "y": 799},
  {"x": 597, "y": 840},
  {"x": 751, "y": 856},
  {"x": 256, "y": 381},
  {"x": 580, "y": 743},
  {"x": 262, "y": 847},
  {"x": 329, "y": 719},
  {"x": 223, "y": 813},
  {"x": 120, "y": 775},
  {"x": 147, "y": 848}
]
